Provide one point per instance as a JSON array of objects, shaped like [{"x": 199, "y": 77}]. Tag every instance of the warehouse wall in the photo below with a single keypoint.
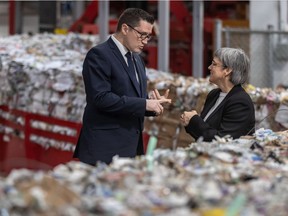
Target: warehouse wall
[
  {"x": 4, "y": 19},
  {"x": 29, "y": 21}
]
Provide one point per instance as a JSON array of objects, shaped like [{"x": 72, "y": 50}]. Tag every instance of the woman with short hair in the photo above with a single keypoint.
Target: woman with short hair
[{"x": 228, "y": 109}]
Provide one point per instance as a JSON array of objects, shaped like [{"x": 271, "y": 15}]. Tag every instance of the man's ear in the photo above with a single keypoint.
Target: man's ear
[{"x": 124, "y": 28}]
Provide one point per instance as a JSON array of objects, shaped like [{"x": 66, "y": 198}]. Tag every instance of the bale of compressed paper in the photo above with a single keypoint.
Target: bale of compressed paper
[{"x": 246, "y": 176}]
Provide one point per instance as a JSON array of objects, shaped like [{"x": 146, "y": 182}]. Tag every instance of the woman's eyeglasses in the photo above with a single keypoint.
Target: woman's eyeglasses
[{"x": 214, "y": 64}]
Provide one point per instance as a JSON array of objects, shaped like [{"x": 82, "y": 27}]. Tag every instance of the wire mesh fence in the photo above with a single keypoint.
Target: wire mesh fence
[{"x": 268, "y": 52}]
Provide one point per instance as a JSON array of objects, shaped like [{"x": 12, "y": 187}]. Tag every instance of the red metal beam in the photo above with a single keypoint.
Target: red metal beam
[
  {"x": 87, "y": 17},
  {"x": 11, "y": 17}
]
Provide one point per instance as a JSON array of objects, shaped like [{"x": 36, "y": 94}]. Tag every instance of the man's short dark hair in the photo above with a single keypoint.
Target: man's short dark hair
[{"x": 133, "y": 16}]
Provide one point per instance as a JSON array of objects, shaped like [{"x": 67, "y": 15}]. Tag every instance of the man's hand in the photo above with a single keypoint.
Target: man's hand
[
  {"x": 155, "y": 101},
  {"x": 156, "y": 105},
  {"x": 156, "y": 95}
]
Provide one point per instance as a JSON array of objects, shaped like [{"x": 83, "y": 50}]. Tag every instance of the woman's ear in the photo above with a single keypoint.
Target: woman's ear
[{"x": 227, "y": 71}]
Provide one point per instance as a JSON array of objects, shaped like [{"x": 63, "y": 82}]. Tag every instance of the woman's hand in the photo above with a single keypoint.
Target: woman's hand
[{"x": 186, "y": 116}]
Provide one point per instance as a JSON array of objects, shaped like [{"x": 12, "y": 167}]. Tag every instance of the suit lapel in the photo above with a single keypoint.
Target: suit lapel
[
  {"x": 118, "y": 54},
  {"x": 142, "y": 76},
  {"x": 139, "y": 85},
  {"x": 210, "y": 102},
  {"x": 213, "y": 101}
]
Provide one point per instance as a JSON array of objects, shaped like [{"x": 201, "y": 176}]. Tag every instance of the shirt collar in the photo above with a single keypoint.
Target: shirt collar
[{"x": 120, "y": 46}]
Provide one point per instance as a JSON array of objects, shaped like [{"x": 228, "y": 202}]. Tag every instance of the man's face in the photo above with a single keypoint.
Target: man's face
[{"x": 138, "y": 37}]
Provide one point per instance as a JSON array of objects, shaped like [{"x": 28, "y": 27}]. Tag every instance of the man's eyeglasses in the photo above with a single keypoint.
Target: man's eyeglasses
[{"x": 143, "y": 36}]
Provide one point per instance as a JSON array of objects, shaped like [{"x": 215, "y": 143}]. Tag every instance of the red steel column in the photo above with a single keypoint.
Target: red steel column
[{"x": 11, "y": 17}]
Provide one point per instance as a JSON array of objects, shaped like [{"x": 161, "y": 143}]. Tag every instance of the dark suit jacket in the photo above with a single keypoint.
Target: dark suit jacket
[
  {"x": 115, "y": 109},
  {"x": 235, "y": 115}
]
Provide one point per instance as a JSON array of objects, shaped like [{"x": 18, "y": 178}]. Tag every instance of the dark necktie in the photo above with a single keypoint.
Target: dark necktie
[{"x": 131, "y": 67}]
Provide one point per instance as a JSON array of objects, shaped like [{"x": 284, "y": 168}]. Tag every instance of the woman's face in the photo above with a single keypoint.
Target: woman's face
[{"x": 217, "y": 72}]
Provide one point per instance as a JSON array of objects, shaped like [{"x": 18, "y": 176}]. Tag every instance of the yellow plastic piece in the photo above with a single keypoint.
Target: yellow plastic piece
[
  {"x": 60, "y": 31},
  {"x": 213, "y": 212}
]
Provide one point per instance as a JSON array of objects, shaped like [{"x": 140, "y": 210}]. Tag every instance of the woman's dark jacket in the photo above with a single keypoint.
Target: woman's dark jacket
[{"x": 235, "y": 116}]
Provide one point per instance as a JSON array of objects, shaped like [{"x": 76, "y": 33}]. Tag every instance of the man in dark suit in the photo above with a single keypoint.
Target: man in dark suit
[
  {"x": 228, "y": 109},
  {"x": 115, "y": 85}
]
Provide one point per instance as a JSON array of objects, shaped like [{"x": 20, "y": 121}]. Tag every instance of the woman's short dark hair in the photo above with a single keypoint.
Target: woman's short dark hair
[
  {"x": 237, "y": 60},
  {"x": 133, "y": 16}
]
